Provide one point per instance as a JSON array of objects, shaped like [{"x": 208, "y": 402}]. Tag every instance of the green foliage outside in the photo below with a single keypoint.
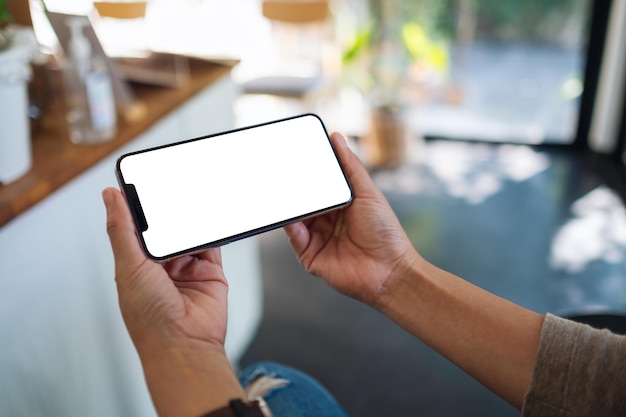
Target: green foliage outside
[
  {"x": 529, "y": 20},
  {"x": 435, "y": 22},
  {"x": 501, "y": 20}
]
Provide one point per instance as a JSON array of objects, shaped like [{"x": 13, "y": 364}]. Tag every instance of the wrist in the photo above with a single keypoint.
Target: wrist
[
  {"x": 492, "y": 339},
  {"x": 407, "y": 269},
  {"x": 151, "y": 344},
  {"x": 188, "y": 377}
]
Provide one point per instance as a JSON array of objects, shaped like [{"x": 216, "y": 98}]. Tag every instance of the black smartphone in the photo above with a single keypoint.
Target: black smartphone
[{"x": 209, "y": 191}]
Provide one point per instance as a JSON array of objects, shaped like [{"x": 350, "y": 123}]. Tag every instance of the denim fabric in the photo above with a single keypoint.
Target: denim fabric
[{"x": 302, "y": 396}]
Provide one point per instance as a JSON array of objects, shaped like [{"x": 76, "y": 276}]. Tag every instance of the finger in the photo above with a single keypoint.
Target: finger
[
  {"x": 343, "y": 150},
  {"x": 351, "y": 163},
  {"x": 299, "y": 236},
  {"x": 213, "y": 255},
  {"x": 120, "y": 228},
  {"x": 204, "y": 266},
  {"x": 339, "y": 143}
]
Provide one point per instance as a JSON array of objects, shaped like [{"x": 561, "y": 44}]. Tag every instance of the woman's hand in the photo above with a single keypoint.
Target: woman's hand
[
  {"x": 363, "y": 252},
  {"x": 359, "y": 248},
  {"x": 176, "y": 315},
  {"x": 181, "y": 298}
]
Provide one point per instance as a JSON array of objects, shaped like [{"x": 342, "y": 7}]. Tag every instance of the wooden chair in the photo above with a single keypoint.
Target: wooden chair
[
  {"x": 121, "y": 10},
  {"x": 298, "y": 12},
  {"x": 301, "y": 33}
]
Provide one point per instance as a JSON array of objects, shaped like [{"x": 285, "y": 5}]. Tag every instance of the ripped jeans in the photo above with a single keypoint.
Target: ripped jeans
[{"x": 289, "y": 392}]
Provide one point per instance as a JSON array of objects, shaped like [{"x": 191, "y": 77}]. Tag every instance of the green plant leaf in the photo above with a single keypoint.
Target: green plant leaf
[{"x": 362, "y": 41}]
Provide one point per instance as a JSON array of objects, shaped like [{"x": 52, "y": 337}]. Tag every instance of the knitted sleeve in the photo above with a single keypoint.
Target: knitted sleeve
[{"x": 580, "y": 371}]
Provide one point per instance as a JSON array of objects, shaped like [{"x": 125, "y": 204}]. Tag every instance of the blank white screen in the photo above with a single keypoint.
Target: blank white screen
[{"x": 212, "y": 189}]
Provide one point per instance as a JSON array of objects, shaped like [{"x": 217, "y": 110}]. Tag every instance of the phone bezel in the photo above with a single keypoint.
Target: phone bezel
[{"x": 137, "y": 212}]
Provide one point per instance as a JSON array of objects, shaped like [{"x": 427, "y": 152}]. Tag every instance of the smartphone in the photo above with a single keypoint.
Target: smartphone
[{"x": 204, "y": 192}]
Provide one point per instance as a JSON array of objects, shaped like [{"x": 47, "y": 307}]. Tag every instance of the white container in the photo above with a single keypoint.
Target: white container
[{"x": 15, "y": 144}]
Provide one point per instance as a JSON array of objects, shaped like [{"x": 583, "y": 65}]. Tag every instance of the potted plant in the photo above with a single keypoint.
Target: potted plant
[
  {"x": 397, "y": 47},
  {"x": 5, "y": 30}
]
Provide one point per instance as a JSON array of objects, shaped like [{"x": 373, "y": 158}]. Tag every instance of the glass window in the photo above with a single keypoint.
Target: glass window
[{"x": 496, "y": 70}]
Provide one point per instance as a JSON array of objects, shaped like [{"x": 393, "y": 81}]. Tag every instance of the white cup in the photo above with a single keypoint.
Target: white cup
[{"x": 15, "y": 144}]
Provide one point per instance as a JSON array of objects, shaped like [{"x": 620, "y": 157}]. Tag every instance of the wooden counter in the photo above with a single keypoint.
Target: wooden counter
[{"x": 57, "y": 161}]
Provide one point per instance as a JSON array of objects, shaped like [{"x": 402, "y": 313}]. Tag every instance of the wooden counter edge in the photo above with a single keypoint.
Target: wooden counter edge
[{"x": 56, "y": 161}]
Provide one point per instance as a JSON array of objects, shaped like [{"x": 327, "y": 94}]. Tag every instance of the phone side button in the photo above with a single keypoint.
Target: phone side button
[{"x": 135, "y": 207}]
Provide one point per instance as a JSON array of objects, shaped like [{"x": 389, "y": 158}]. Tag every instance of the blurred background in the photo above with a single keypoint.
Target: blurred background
[
  {"x": 494, "y": 128},
  {"x": 501, "y": 71}
]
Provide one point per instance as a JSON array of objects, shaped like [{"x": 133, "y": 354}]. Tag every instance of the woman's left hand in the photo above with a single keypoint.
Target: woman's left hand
[
  {"x": 182, "y": 298},
  {"x": 176, "y": 314}
]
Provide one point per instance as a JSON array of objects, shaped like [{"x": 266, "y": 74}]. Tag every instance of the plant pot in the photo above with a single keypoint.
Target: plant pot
[
  {"x": 15, "y": 146},
  {"x": 386, "y": 143}
]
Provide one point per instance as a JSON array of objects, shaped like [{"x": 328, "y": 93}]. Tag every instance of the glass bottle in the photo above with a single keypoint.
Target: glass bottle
[{"x": 89, "y": 98}]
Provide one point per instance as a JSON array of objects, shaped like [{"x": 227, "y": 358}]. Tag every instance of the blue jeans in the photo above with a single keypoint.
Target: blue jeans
[{"x": 289, "y": 392}]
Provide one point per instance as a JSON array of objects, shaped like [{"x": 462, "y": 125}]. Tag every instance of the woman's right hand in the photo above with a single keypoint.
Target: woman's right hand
[{"x": 357, "y": 249}]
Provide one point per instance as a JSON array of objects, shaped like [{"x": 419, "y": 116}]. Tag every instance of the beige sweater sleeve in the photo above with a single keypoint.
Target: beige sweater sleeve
[{"x": 579, "y": 371}]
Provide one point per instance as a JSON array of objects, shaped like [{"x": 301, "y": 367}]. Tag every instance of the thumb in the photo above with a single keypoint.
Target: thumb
[
  {"x": 360, "y": 179},
  {"x": 121, "y": 229},
  {"x": 352, "y": 166}
]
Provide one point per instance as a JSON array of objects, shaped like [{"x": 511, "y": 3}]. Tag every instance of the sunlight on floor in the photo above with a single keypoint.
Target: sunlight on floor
[
  {"x": 596, "y": 232},
  {"x": 469, "y": 171}
]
